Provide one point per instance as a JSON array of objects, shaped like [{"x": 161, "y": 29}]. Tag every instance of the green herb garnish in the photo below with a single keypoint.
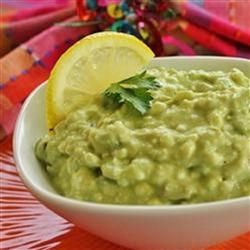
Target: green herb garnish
[{"x": 134, "y": 91}]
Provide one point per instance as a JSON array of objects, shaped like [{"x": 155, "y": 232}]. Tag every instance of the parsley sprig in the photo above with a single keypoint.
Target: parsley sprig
[{"x": 134, "y": 91}]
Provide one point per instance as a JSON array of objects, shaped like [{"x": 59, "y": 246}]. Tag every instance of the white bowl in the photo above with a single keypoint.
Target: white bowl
[{"x": 139, "y": 227}]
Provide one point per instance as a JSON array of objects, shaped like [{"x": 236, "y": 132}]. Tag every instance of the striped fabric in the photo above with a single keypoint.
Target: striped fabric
[{"x": 36, "y": 45}]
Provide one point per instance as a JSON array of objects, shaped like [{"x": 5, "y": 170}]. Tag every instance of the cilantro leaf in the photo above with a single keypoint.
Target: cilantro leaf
[{"x": 133, "y": 90}]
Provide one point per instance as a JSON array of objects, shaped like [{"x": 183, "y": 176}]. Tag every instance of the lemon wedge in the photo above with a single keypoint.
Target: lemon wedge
[{"x": 89, "y": 67}]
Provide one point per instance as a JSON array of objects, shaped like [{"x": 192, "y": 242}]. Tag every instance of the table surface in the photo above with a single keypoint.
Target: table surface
[{"x": 27, "y": 224}]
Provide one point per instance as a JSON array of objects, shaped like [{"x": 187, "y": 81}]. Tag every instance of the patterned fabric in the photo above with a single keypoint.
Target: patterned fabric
[
  {"x": 219, "y": 33},
  {"x": 39, "y": 45}
]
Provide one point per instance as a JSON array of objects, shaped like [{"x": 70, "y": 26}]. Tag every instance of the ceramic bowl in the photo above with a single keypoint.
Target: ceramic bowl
[{"x": 175, "y": 227}]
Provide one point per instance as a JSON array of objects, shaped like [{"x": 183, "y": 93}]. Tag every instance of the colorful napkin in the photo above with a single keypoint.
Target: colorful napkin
[
  {"x": 225, "y": 34},
  {"x": 37, "y": 44}
]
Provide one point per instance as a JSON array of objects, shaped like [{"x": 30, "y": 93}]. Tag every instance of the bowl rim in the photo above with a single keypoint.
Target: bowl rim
[
  {"x": 199, "y": 57},
  {"x": 36, "y": 189}
]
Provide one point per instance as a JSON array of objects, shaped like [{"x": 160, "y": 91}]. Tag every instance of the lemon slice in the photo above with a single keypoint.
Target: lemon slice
[{"x": 89, "y": 67}]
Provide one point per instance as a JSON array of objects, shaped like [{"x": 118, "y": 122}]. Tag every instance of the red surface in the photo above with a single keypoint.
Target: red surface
[{"x": 26, "y": 224}]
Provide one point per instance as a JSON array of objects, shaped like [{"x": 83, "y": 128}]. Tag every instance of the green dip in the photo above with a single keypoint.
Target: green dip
[{"x": 192, "y": 146}]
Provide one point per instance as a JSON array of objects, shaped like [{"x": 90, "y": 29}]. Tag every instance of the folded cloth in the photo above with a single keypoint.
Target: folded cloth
[
  {"x": 215, "y": 23},
  {"x": 226, "y": 33},
  {"x": 29, "y": 64},
  {"x": 17, "y": 32},
  {"x": 24, "y": 68}
]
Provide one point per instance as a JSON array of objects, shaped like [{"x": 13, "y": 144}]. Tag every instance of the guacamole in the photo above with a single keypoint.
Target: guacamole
[{"x": 192, "y": 146}]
